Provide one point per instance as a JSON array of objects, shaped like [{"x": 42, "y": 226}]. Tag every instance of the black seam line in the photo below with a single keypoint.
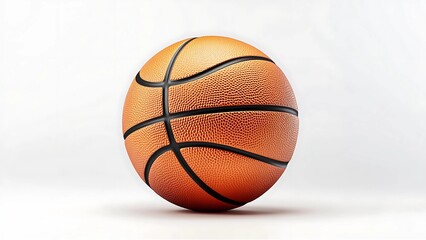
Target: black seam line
[
  {"x": 181, "y": 145},
  {"x": 146, "y": 83},
  {"x": 200, "y": 182},
  {"x": 255, "y": 156},
  {"x": 238, "y": 108},
  {"x": 152, "y": 159},
  {"x": 143, "y": 124},
  {"x": 189, "y": 113},
  {"x": 173, "y": 144},
  {"x": 201, "y": 74},
  {"x": 176, "y": 149},
  {"x": 165, "y": 87}
]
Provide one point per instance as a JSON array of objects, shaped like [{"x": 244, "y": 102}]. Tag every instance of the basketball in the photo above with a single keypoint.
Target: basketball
[{"x": 210, "y": 123}]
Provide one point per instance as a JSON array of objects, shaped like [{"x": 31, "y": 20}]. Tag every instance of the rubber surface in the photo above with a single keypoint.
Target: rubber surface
[{"x": 210, "y": 123}]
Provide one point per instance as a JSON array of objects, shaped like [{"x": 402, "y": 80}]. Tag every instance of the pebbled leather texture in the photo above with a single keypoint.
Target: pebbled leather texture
[
  {"x": 142, "y": 103},
  {"x": 271, "y": 134},
  {"x": 143, "y": 143},
  {"x": 207, "y": 51},
  {"x": 155, "y": 69},
  {"x": 169, "y": 180},
  {"x": 237, "y": 177},
  {"x": 245, "y": 83},
  {"x": 247, "y": 98}
]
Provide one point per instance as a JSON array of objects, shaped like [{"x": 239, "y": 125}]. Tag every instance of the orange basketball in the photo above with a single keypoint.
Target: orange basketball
[{"x": 210, "y": 123}]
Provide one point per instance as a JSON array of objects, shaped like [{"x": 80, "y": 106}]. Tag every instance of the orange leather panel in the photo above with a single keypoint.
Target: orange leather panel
[
  {"x": 143, "y": 143},
  {"x": 271, "y": 134},
  {"x": 234, "y": 176},
  {"x": 142, "y": 103},
  {"x": 245, "y": 83},
  {"x": 204, "y": 52},
  {"x": 155, "y": 69},
  {"x": 169, "y": 180}
]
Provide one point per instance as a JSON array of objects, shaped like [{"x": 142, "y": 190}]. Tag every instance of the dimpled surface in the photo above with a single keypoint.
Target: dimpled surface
[
  {"x": 169, "y": 180},
  {"x": 155, "y": 69},
  {"x": 142, "y": 103},
  {"x": 143, "y": 143},
  {"x": 245, "y": 83},
  {"x": 205, "y": 52},
  {"x": 259, "y": 94},
  {"x": 235, "y": 176},
  {"x": 271, "y": 134}
]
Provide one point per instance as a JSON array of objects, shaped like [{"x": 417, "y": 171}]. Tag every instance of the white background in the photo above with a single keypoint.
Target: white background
[{"x": 357, "y": 69}]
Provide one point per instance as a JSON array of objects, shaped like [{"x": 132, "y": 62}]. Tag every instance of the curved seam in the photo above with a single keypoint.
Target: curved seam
[
  {"x": 242, "y": 152},
  {"x": 239, "y": 151},
  {"x": 201, "y": 74},
  {"x": 172, "y": 140},
  {"x": 146, "y": 83},
  {"x": 237, "y": 108},
  {"x": 142, "y": 124},
  {"x": 152, "y": 159},
  {"x": 218, "y": 67},
  {"x": 240, "y": 108}
]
